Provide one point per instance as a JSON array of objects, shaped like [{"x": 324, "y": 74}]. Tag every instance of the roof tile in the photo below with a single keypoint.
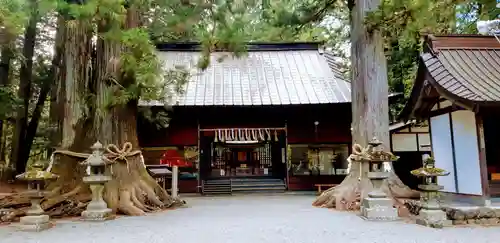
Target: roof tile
[
  {"x": 271, "y": 77},
  {"x": 473, "y": 74}
]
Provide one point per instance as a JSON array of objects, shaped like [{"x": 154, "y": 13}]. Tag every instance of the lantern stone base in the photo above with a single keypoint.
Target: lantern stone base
[
  {"x": 433, "y": 218},
  {"x": 378, "y": 209},
  {"x": 97, "y": 214},
  {"x": 35, "y": 223},
  {"x": 97, "y": 210}
]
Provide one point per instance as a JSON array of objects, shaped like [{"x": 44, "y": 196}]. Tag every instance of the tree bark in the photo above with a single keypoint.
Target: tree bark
[
  {"x": 44, "y": 92},
  {"x": 5, "y": 62},
  {"x": 76, "y": 133},
  {"x": 133, "y": 187},
  {"x": 24, "y": 91},
  {"x": 370, "y": 109},
  {"x": 57, "y": 91},
  {"x": 370, "y": 88}
]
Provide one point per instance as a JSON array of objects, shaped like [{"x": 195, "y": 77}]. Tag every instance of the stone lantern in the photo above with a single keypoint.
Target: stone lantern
[
  {"x": 377, "y": 206},
  {"x": 97, "y": 209},
  {"x": 37, "y": 177},
  {"x": 431, "y": 213}
]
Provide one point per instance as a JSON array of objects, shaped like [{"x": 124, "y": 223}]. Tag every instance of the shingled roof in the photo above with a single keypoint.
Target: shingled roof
[
  {"x": 271, "y": 74},
  {"x": 464, "y": 69}
]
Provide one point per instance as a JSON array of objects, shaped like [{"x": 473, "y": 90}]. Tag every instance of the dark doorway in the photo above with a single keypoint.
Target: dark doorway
[{"x": 227, "y": 160}]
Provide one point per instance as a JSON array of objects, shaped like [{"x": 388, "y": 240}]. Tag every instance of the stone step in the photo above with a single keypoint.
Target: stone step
[
  {"x": 258, "y": 185},
  {"x": 274, "y": 188}
]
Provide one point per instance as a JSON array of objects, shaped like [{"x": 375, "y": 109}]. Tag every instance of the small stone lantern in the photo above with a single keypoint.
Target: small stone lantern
[
  {"x": 37, "y": 177},
  {"x": 97, "y": 209},
  {"x": 377, "y": 206},
  {"x": 431, "y": 213}
]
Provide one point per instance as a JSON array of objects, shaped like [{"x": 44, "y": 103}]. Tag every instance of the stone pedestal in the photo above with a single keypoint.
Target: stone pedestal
[
  {"x": 37, "y": 176},
  {"x": 377, "y": 206},
  {"x": 35, "y": 223},
  {"x": 97, "y": 210},
  {"x": 35, "y": 220},
  {"x": 431, "y": 214},
  {"x": 35, "y": 208},
  {"x": 378, "y": 209},
  {"x": 97, "y": 214},
  {"x": 433, "y": 218}
]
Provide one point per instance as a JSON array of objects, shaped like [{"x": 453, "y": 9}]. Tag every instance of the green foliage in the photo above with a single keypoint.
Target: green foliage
[
  {"x": 12, "y": 17},
  {"x": 140, "y": 63},
  {"x": 8, "y": 101},
  {"x": 402, "y": 24},
  {"x": 227, "y": 25},
  {"x": 160, "y": 118}
]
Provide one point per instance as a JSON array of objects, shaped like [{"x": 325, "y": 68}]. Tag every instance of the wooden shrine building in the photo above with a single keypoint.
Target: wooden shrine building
[
  {"x": 457, "y": 91},
  {"x": 276, "y": 119},
  {"x": 409, "y": 141}
]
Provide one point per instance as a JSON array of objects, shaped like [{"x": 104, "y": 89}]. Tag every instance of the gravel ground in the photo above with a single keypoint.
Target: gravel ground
[{"x": 248, "y": 219}]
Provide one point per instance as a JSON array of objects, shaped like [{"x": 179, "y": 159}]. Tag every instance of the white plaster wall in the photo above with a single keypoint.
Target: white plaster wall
[
  {"x": 424, "y": 139},
  {"x": 404, "y": 142},
  {"x": 442, "y": 150},
  {"x": 420, "y": 129},
  {"x": 445, "y": 104},
  {"x": 466, "y": 152}
]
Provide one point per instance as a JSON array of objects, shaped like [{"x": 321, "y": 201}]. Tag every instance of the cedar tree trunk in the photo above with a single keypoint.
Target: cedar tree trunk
[
  {"x": 134, "y": 191},
  {"x": 370, "y": 111},
  {"x": 95, "y": 70},
  {"x": 24, "y": 92}
]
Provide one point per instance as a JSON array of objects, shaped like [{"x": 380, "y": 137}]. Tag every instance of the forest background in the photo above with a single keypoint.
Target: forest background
[{"x": 35, "y": 63}]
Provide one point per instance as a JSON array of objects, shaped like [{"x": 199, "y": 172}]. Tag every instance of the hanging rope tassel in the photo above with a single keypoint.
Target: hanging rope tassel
[
  {"x": 275, "y": 136},
  {"x": 233, "y": 135},
  {"x": 226, "y": 134},
  {"x": 254, "y": 135},
  {"x": 239, "y": 136},
  {"x": 248, "y": 136},
  {"x": 261, "y": 135},
  {"x": 216, "y": 139},
  {"x": 268, "y": 134},
  {"x": 220, "y": 135}
]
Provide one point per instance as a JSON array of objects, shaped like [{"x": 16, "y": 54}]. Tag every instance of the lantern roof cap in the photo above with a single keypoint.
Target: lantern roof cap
[{"x": 37, "y": 172}]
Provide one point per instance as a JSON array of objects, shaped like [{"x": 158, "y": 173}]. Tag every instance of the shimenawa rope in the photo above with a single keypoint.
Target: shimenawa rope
[{"x": 113, "y": 154}]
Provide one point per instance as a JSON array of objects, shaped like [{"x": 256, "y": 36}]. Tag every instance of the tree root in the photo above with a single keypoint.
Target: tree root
[
  {"x": 135, "y": 200},
  {"x": 52, "y": 201},
  {"x": 132, "y": 191},
  {"x": 127, "y": 205},
  {"x": 66, "y": 205},
  {"x": 398, "y": 189},
  {"x": 70, "y": 208},
  {"x": 150, "y": 194},
  {"x": 17, "y": 200},
  {"x": 10, "y": 215},
  {"x": 348, "y": 195}
]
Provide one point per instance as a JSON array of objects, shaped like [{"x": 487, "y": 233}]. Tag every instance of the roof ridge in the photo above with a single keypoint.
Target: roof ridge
[
  {"x": 251, "y": 46},
  {"x": 437, "y": 42},
  {"x": 468, "y": 48}
]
